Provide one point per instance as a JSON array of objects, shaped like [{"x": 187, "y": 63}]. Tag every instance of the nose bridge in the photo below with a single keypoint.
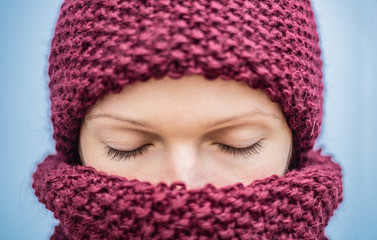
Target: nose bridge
[{"x": 183, "y": 163}]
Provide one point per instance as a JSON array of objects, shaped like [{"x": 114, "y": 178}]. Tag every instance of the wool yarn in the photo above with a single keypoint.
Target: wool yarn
[
  {"x": 95, "y": 205},
  {"x": 100, "y": 46}
]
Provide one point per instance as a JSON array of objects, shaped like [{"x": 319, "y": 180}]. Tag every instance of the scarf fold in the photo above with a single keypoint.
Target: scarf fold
[{"x": 91, "y": 204}]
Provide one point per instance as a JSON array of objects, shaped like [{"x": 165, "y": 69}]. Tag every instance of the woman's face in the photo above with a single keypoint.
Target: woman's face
[{"x": 191, "y": 129}]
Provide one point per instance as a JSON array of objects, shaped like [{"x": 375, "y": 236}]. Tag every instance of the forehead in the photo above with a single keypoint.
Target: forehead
[{"x": 190, "y": 97}]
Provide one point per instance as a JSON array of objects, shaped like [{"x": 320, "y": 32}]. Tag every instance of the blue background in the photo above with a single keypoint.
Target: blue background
[{"x": 348, "y": 32}]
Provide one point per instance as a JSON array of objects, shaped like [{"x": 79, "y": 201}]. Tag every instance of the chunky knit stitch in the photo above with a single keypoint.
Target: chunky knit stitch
[
  {"x": 95, "y": 205},
  {"x": 100, "y": 46}
]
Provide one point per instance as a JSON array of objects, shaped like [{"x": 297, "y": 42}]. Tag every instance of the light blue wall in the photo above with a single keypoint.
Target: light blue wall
[
  {"x": 25, "y": 132},
  {"x": 348, "y": 32}
]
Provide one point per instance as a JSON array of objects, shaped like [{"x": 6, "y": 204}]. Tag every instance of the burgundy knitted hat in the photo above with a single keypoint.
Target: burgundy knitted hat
[{"x": 101, "y": 46}]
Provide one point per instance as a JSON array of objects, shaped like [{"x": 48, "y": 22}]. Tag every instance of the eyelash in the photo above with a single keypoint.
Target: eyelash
[
  {"x": 117, "y": 155},
  {"x": 244, "y": 152}
]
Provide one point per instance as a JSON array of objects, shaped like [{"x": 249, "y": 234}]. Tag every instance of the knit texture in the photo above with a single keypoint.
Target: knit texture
[
  {"x": 95, "y": 205},
  {"x": 101, "y": 46}
]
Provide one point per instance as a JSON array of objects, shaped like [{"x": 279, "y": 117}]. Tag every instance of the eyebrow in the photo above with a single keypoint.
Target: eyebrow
[{"x": 146, "y": 125}]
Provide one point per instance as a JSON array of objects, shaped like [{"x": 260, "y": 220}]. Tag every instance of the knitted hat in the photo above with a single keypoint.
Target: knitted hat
[{"x": 101, "y": 46}]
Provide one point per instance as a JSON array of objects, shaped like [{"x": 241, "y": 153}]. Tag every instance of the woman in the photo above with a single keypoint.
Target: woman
[{"x": 187, "y": 120}]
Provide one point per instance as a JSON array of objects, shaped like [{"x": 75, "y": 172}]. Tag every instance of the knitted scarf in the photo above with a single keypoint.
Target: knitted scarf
[{"x": 95, "y": 205}]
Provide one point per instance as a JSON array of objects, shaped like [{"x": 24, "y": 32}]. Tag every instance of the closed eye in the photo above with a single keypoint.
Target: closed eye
[
  {"x": 118, "y": 155},
  {"x": 246, "y": 152}
]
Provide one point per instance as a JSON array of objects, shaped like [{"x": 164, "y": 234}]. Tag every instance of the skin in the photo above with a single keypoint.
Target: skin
[{"x": 182, "y": 142}]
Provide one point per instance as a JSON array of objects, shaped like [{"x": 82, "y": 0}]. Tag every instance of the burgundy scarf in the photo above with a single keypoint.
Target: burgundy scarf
[{"x": 95, "y": 205}]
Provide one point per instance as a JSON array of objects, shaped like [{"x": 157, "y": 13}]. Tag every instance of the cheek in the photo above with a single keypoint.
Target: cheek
[
  {"x": 92, "y": 151},
  {"x": 278, "y": 156},
  {"x": 272, "y": 159}
]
